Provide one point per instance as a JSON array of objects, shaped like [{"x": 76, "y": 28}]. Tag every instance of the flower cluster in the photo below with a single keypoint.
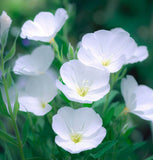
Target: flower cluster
[{"x": 84, "y": 80}]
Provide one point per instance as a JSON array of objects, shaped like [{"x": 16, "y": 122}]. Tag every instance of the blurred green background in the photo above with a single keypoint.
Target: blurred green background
[{"x": 135, "y": 16}]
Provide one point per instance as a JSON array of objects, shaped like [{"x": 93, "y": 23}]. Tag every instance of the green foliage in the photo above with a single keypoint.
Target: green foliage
[
  {"x": 3, "y": 39},
  {"x": 8, "y": 138},
  {"x": 16, "y": 106},
  {"x": 103, "y": 148},
  {"x": 3, "y": 108},
  {"x": 149, "y": 158},
  {"x": 11, "y": 52}
]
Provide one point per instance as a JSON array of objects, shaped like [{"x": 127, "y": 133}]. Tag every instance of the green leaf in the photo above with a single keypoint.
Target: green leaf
[
  {"x": 119, "y": 107},
  {"x": 3, "y": 108},
  {"x": 103, "y": 148},
  {"x": 70, "y": 54},
  {"x": 130, "y": 148},
  {"x": 102, "y": 101},
  {"x": 16, "y": 106},
  {"x": 37, "y": 158},
  {"x": 25, "y": 131},
  {"x": 138, "y": 145},
  {"x": 122, "y": 74},
  {"x": 8, "y": 138},
  {"x": 11, "y": 52},
  {"x": 4, "y": 37},
  {"x": 149, "y": 158},
  {"x": 9, "y": 79},
  {"x": 108, "y": 116}
]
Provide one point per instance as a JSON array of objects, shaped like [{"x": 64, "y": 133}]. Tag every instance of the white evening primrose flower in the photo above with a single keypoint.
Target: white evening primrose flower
[
  {"x": 36, "y": 63},
  {"x": 110, "y": 50},
  {"x": 78, "y": 129},
  {"x": 82, "y": 83},
  {"x": 39, "y": 91},
  {"x": 5, "y": 22},
  {"x": 45, "y": 26},
  {"x": 138, "y": 98}
]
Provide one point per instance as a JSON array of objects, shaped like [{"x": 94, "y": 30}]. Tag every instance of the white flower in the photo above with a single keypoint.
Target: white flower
[
  {"x": 45, "y": 26},
  {"x": 138, "y": 98},
  {"x": 78, "y": 129},
  {"x": 36, "y": 63},
  {"x": 83, "y": 84},
  {"x": 110, "y": 50},
  {"x": 39, "y": 91},
  {"x": 5, "y": 22}
]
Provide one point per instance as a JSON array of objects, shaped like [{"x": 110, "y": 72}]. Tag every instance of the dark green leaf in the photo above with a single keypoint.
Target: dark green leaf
[
  {"x": 118, "y": 108},
  {"x": 9, "y": 79},
  {"x": 104, "y": 148},
  {"x": 25, "y": 131},
  {"x": 3, "y": 108},
  {"x": 149, "y": 158},
  {"x": 138, "y": 145},
  {"x": 11, "y": 52},
  {"x": 108, "y": 116},
  {"x": 8, "y": 138},
  {"x": 37, "y": 158},
  {"x": 16, "y": 107},
  {"x": 102, "y": 101},
  {"x": 122, "y": 74}
]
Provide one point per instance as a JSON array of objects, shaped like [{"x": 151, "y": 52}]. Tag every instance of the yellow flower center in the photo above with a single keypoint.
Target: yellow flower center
[
  {"x": 51, "y": 41},
  {"x": 106, "y": 63},
  {"x": 82, "y": 91},
  {"x": 43, "y": 105},
  {"x": 76, "y": 138},
  {"x": 125, "y": 111}
]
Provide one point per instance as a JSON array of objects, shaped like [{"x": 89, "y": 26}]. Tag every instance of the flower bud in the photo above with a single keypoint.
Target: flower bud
[{"x": 5, "y": 22}]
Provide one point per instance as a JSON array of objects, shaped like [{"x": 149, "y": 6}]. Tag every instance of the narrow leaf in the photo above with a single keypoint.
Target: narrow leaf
[
  {"x": 16, "y": 107},
  {"x": 4, "y": 38},
  {"x": 25, "y": 131},
  {"x": 11, "y": 52},
  {"x": 104, "y": 148},
  {"x": 8, "y": 138},
  {"x": 3, "y": 108},
  {"x": 149, "y": 158}
]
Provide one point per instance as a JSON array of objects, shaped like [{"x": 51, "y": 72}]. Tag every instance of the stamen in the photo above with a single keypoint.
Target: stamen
[
  {"x": 51, "y": 41},
  {"x": 43, "y": 105},
  {"x": 82, "y": 91},
  {"x": 106, "y": 63},
  {"x": 76, "y": 138}
]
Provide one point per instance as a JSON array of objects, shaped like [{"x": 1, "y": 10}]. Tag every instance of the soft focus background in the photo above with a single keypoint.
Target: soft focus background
[{"x": 135, "y": 16}]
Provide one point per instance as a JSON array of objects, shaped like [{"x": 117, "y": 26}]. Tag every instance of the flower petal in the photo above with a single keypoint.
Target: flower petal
[
  {"x": 60, "y": 18},
  {"x": 43, "y": 87},
  {"x": 128, "y": 89},
  {"x": 36, "y": 63},
  {"x": 31, "y": 104}
]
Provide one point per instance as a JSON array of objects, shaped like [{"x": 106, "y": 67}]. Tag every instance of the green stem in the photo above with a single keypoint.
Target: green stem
[
  {"x": 10, "y": 108},
  {"x": 106, "y": 103},
  {"x": 57, "y": 53},
  {"x": 113, "y": 80}
]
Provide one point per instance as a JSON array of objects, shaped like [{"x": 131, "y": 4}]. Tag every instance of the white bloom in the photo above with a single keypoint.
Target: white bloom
[
  {"x": 110, "y": 50},
  {"x": 36, "y": 63},
  {"x": 5, "y": 22},
  {"x": 83, "y": 84},
  {"x": 45, "y": 26},
  {"x": 39, "y": 91},
  {"x": 138, "y": 98},
  {"x": 78, "y": 130}
]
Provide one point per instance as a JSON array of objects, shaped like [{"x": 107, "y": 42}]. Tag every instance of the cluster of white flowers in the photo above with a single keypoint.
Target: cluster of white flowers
[{"x": 85, "y": 80}]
